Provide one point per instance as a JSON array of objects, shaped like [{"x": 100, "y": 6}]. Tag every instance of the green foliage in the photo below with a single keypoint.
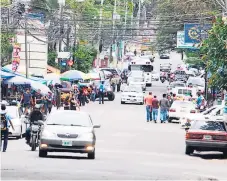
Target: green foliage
[
  {"x": 174, "y": 13},
  {"x": 214, "y": 49},
  {"x": 4, "y": 3},
  {"x": 84, "y": 58},
  {"x": 51, "y": 59},
  {"x": 6, "y": 48}
]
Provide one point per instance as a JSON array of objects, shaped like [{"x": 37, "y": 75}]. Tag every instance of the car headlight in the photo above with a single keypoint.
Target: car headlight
[
  {"x": 87, "y": 136},
  {"x": 48, "y": 134}
]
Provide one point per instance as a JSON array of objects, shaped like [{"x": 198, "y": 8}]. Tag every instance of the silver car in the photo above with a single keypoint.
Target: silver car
[{"x": 68, "y": 131}]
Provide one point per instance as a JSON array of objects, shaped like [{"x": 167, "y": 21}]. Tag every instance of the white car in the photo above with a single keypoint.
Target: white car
[
  {"x": 155, "y": 76},
  {"x": 132, "y": 94},
  {"x": 179, "y": 109},
  {"x": 197, "y": 82},
  {"x": 214, "y": 111},
  {"x": 18, "y": 123}
]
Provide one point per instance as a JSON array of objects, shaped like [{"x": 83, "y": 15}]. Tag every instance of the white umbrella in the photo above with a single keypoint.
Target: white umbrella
[
  {"x": 53, "y": 78},
  {"x": 130, "y": 54},
  {"x": 37, "y": 85},
  {"x": 94, "y": 76},
  {"x": 18, "y": 80}
]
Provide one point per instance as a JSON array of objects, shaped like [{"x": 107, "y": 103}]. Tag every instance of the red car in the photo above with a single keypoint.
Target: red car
[{"x": 207, "y": 135}]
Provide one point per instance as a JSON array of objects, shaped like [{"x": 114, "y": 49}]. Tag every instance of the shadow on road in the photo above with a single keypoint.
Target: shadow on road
[{"x": 210, "y": 156}]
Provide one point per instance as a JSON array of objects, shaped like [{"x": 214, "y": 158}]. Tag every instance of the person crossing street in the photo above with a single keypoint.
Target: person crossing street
[
  {"x": 148, "y": 102},
  {"x": 164, "y": 107},
  {"x": 155, "y": 107}
]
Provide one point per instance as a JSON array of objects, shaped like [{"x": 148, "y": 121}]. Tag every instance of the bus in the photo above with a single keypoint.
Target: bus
[{"x": 142, "y": 64}]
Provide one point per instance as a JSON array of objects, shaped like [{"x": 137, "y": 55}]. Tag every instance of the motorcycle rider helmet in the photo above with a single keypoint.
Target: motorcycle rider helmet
[{"x": 37, "y": 107}]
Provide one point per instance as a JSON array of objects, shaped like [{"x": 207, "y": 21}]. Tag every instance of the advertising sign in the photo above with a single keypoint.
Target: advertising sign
[
  {"x": 195, "y": 32},
  {"x": 181, "y": 42},
  {"x": 16, "y": 56}
]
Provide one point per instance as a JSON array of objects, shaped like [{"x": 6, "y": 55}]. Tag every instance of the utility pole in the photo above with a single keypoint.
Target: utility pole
[
  {"x": 99, "y": 34},
  {"x": 26, "y": 45},
  {"x": 132, "y": 17},
  {"x": 74, "y": 43},
  {"x": 138, "y": 15},
  {"x": 112, "y": 39},
  {"x": 60, "y": 39}
]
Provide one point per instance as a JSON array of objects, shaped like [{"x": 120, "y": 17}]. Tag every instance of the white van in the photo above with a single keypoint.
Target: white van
[{"x": 185, "y": 92}]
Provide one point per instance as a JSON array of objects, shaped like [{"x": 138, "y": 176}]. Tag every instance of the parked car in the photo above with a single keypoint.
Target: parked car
[
  {"x": 215, "y": 111},
  {"x": 207, "y": 135},
  {"x": 18, "y": 123},
  {"x": 197, "y": 82},
  {"x": 179, "y": 109},
  {"x": 68, "y": 131},
  {"x": 108, "y": 91},
  {"x": 132, "y": 94}
]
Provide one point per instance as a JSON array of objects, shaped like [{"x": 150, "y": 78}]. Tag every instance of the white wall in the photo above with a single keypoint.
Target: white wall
[{"x": 37, "y": 52}]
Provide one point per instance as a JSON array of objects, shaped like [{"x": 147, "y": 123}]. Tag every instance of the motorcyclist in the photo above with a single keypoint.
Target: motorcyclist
[{"x": 35, "y": 115}]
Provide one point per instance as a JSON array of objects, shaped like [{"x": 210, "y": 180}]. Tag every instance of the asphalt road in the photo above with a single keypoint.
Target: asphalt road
[{"x": 128, "y": 148}]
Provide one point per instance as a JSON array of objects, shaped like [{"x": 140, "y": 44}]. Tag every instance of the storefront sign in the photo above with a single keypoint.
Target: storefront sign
[{"x": 16, "y": 56}]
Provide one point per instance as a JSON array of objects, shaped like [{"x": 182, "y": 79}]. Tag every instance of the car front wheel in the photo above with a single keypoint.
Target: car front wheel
[
  {"x": 42, "y": 153},
  {"x": 91, "y": 156},
  {"x": 189, "y": 150}
]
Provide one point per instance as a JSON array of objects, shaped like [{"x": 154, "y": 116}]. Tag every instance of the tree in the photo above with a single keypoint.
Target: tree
[
  {"x": 6, "y": 48},
  {"x": 172, "y": 14},
  {"x": 214, "y": 50},
  {"x": 84, "y": 58},
  {"x": 51, "y": 59}
]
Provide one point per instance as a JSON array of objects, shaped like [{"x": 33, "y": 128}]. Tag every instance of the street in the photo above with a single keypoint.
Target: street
[{"x": 127, "y": 148}]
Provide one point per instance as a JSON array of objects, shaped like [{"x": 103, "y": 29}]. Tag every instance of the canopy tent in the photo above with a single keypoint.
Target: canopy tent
[
  {"x": 4, "y": 69},
  {"x": 6, "y": 75},
  {"x": 72, "y": 75},
  {"x": 18, "y": 80}
]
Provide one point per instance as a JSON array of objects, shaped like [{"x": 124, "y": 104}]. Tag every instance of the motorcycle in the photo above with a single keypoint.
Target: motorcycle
[
  {"x": 162, "y": 79},
  {"x": 35, "y": 133}
]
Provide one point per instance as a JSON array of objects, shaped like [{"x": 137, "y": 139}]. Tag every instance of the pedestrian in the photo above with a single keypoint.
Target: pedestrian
[
  {"x": 101, "y": 93},
  {"x": 148, "y": 102},
  {"x": 135, "y": 52},
  {"x": 5, "y": 124},
  {"x": 49, "y": 101},
  {"x": 155, "y": 107},
  {"x": 164, "y": 107}
]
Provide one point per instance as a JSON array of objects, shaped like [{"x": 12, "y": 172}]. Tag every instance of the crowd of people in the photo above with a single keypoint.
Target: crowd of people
[{"x": 153, "y": 105}]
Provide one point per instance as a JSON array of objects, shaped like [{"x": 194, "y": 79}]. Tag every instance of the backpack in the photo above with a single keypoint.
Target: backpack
[{"x": 3, "y": 122}]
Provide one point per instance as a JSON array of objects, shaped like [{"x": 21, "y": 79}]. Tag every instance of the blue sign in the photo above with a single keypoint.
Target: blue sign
[{"x": 195, "y": 32}]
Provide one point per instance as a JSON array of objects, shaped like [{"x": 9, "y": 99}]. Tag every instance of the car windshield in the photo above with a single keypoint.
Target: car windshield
[
  {"x": 209, "y": 125},
  {"x": 69, "y": 118},
  {"x": 178, "y": 72},
  {"x": 12, "y": 111},
  {"x": 133, "y": 89},
  {"x": 113, "y": 71},
  {"x": 177, "y": 85},
  {"x": 184, "y": 91},
  {"x": 196, "y": 81}
]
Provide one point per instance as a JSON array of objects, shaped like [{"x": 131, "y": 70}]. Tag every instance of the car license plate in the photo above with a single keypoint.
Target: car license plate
[
  {"x": 183, "y": 111},
  {"x": 207, "y": 137},
  {"x": 67, "y": 143},
  {"x": 133, "y": 100}
]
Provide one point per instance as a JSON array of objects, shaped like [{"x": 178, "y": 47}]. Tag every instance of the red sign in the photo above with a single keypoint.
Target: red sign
[{"x": 70, "y": 62}]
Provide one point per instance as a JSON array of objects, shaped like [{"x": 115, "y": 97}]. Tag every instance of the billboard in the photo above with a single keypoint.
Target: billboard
[
  {"x": 181, "y": 41},
  {"x": 195, "y": 32}
]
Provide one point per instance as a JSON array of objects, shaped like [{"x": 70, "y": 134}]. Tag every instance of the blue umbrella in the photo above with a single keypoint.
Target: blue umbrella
[{"x": 6, "y": 75}]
